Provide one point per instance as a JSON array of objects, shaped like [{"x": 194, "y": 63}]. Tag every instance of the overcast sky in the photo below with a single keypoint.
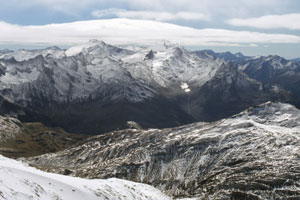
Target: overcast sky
[{"x": 250, "y": 26}]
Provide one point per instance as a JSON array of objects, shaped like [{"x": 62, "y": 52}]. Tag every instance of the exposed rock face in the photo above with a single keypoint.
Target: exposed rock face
[
  {"x": 150, "y": 55},
  {"x": 9, "y": 128},
  {"x": 97, "y": 87},
  {"x": 252, "y": 155}
]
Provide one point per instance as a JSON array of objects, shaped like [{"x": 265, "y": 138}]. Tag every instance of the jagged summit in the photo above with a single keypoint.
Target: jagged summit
[
  {"x": 80, "y": 48},
  {"x": 227, "y": 56},
  {"x": 168, "y": 44},
  {"x": 150, "y": 55},
  {"x": 97, "y": 41},
  {"x": 97, "y": 48},
  {"x": 239, "y": 54},
  {"x": 53, "y": 48}
]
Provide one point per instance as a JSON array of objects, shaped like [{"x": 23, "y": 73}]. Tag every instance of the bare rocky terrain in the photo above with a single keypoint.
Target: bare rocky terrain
[{"x": 251, "y": 155}]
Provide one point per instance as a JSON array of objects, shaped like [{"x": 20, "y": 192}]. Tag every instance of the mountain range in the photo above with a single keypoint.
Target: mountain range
[{"x": 96, "y": 87}]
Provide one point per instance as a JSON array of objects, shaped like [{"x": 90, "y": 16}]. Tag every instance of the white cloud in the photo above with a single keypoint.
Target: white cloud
[
  {"x": 127, "y": 31},
  {"x": 150, "y": 15},
  {"x": 216, "y": 8},
  {"x": 287, "y": 21}
]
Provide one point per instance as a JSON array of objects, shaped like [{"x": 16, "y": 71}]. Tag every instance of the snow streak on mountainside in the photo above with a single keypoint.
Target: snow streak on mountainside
[
  {"x": 96, "y": 87},
  {"x": 21, "y": 182},
  {"x": 252, "y": 155}
]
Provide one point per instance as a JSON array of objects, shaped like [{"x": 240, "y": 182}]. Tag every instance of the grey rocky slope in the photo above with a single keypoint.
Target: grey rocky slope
[
  {"x": 273, "y": 70},
  {"x": 97, "y": 87},
  {"x": 252, "y": 155}
]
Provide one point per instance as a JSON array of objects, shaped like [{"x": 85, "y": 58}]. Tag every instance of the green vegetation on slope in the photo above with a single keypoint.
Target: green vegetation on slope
[{"x": 32, "y": 139}]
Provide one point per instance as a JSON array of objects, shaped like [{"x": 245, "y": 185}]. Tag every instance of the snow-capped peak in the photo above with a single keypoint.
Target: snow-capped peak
[
  {"x": 78, "y": 49},
  {"x": 95, "y": 41},
  {"x": 168, "y": 44}
]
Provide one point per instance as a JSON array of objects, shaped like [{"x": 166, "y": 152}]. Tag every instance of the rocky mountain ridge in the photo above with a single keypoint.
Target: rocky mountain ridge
[
  {"x": 273, "y": 70},
  {"x": 251, "y": 155}
]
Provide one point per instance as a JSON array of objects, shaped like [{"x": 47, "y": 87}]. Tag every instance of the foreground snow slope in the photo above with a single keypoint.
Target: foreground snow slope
[{"x": 18, "y": 181}]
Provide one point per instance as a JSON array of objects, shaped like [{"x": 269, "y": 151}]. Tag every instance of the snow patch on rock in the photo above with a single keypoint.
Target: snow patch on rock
[{"x": 185, "y": 87}]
